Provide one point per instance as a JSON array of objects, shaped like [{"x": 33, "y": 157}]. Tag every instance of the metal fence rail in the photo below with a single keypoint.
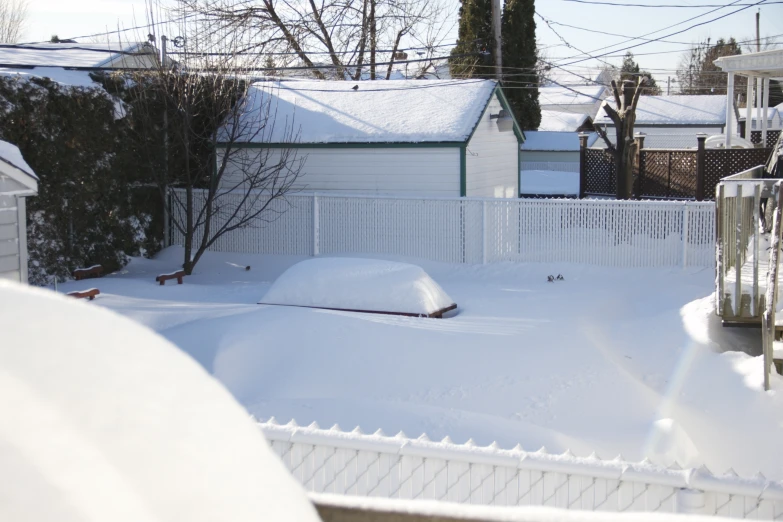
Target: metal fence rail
[
  {"x": 353, "y": 463},
  {"x": 462, "y": 230}
]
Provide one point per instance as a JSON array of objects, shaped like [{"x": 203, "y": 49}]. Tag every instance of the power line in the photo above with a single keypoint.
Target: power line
[
  {"x": 618, "y": 4},
  {"x": 676, "y": 32},
  {"x": 664, "y": 28}
]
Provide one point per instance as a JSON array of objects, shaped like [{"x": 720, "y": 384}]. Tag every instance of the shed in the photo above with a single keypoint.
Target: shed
[
  {"x": 17, "y": 182},
  {"x": 409, "y": 137},
  {"x": 676, "y": 115},
  {"x": 550, "y": 164},
  {"x": 555, "y": 121}
]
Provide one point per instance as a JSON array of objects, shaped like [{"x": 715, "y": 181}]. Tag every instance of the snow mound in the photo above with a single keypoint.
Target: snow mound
[
  {"x": 366, "y": 285},
  {"x": 105, "y": 420},
  {"x": 670, "y": 444}
]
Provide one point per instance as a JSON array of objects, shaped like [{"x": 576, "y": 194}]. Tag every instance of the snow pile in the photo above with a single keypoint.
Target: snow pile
[
  {"x": 359, "y": 285},
  {"x": 10, "y": 154},
  {"x": 105, "y": 420},
  {"x": 704, "y": 109},
  {"x": 588, "y": 364},
  {"x": 548, "y": 182},
  {"x": 407, "y": 111}
]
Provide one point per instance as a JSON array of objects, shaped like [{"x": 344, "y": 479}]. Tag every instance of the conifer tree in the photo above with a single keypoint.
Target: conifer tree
[
  {"x": 474, "y": 38},
  {"x": 630, "y": 71},
  {"x": 520, "y": 56}
]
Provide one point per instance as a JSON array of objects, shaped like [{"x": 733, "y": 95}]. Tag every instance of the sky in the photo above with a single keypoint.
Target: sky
[{"x": 70, "y": 18}]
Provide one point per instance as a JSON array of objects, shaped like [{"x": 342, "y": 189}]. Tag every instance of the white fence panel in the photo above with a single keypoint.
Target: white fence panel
[
  {"x": 352, "y": 463},
  {"x": 462, "y": 230}
]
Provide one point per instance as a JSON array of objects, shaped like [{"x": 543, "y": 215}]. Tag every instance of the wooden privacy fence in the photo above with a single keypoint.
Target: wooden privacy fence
[
  {"x": 472, "y": 230},
  {"x": 354, "y": 463},
  {"x": 668, "y": 173}
]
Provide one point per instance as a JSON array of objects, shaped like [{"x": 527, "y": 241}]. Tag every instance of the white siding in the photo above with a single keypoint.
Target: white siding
[
  {"x": 492, "y": 158},
  {"x": 9, "y": 235},
  {"x": 550, "y": 156},
  {"x": 390, "y": 170}
]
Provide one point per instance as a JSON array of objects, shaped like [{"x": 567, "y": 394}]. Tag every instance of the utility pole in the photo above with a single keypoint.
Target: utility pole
[
  {"x": 758, "y": 32},
  {"x": 496, "y": 10},
  {"x": 668, "y": 85}
]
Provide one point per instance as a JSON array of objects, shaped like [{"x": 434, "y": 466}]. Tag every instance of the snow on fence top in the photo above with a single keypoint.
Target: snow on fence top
[
  {"x": 617, "y": 469},
  {"x": 366, "y": 285},
  {"x": 69, "y": 55},
  {"x": 9, "y": 153},
  {"x": 676, "y": 110},
  {"x": 404, "y": 111}
]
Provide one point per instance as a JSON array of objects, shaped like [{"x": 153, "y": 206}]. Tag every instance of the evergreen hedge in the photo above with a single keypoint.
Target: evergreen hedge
[{"x": 96, "y": 202}]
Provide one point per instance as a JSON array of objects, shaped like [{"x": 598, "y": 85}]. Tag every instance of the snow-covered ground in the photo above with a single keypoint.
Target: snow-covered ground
[{"x": 608, "y": 360}]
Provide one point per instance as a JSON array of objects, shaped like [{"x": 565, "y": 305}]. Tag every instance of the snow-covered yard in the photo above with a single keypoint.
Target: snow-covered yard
[{"x": 597, "y": 362}]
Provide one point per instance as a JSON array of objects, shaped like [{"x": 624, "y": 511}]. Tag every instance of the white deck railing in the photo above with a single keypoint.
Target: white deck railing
[{"x": 470, "y": 230}]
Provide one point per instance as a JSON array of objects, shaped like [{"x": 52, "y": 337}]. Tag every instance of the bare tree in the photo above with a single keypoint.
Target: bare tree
[
  {"x": 13, "y": 16},
  {"x": 623, "y": 115},
  {"x": 205, "y": 111},
  {"x": 338, "y": 39}
]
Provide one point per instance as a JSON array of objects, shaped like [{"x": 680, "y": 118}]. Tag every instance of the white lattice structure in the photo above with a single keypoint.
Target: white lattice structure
[
  {"x": 354, "y": 463},
  {"x": 471, "y": 230}
]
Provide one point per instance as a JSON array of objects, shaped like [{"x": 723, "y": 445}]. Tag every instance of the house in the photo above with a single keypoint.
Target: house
[
  {"x": 17, "y": 182},
  {"x": 673, "y": 121},
  {"x": 79, "y": 56},
  {"x": 409, "y": 137},
  {"x": 550, "y": 164}
]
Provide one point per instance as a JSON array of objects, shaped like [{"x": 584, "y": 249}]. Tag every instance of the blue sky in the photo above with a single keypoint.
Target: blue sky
[{"x": 69, "y": 18}]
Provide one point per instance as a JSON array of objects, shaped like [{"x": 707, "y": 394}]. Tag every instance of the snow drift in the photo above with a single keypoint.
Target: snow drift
[
  {"x": 361, "y": 285},
  {"x": 102, "y": 419}
]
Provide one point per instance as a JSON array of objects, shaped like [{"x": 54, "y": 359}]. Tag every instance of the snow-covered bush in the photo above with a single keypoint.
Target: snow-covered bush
[{"x": 95, "y": 206}]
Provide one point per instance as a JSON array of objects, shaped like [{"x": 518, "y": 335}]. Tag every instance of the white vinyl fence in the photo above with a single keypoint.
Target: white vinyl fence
[
  {"x": 471, "y": 230},
  {"x": 352, "y": 463}
]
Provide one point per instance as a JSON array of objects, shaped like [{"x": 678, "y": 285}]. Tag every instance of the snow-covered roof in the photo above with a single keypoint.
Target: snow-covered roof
[
  {"x": 404, "y": 111},
  {"x": 56, "y": 74},
  {"x": 577, "y": 95},
  {"x": 676, "y": 110},
  {"x": 15, "y": 166},
  {"x": 589, "y": 76},
  {"x": 551, "y": 141},
  {"x": 556, "y": 121},
  {"x": 70, "y": 55}
]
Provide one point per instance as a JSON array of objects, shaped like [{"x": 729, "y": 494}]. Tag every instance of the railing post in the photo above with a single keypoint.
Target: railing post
[
  {"x": 685, "y": 234},
  {"x": 690, "y": 501},
  {"x": 701, "y": 157},
  {"x": 484, "y": 235},
  {"x": 316, "y": 226},
  {"x": 638, "y": 188},
  {"x": 582, "y": 164}
]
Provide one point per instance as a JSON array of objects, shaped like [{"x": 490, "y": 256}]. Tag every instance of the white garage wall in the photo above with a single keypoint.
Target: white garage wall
[
  {"x": 379, "y": 170},
  {"x": 492, "y": 158}
]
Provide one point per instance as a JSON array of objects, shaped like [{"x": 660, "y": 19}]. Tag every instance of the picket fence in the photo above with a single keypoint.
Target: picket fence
[
  {"x": 353, "y": 463},
  {"x": 473, "y": 230}
]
